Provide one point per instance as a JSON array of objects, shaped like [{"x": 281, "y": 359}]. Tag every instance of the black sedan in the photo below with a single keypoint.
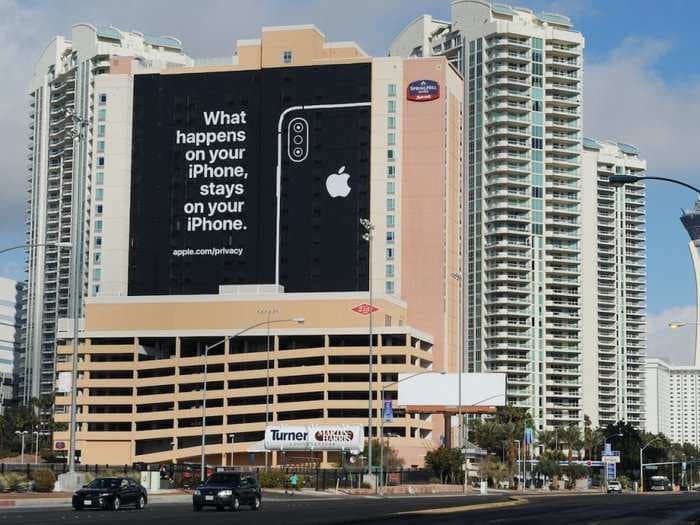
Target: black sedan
[
  {"x": 228, "y": 489},
  {"x": 110, "y": 493}
]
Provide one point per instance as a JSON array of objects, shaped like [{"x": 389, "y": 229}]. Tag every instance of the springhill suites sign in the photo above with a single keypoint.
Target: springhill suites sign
[{"x": 423, "y": 91}]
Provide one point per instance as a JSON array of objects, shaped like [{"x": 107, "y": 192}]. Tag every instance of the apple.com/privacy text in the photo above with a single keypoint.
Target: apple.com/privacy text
[{"x": 211, "y": 252}]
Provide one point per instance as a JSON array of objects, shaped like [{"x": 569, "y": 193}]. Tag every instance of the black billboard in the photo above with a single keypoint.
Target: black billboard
[{"x": 223, "y": 161}]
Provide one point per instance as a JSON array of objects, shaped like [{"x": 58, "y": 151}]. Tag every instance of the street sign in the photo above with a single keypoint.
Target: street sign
[
  {"x": 611, "y": 459},
  {"x": 365, "y": 309},
  {"x": 612, "y": 471},
  {"x": 651, "y": 467},
  {"x": 608, "y": 450},
  {"x": 60, "y": 445},
  {"x": 388, "y": 411}
]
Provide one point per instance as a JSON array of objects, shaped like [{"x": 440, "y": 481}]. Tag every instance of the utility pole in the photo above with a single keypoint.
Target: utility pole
[{"x": 369, "y": 237}]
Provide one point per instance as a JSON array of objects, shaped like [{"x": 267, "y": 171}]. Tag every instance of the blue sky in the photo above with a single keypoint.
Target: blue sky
[{"x": 642, "y": 86}]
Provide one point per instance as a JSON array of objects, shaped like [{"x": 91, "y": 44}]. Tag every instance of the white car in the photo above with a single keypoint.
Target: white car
[{"x": 614, "y": 486}]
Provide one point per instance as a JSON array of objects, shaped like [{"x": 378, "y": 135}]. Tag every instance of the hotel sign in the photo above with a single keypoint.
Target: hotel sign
[{"x": 423, "y": 91}]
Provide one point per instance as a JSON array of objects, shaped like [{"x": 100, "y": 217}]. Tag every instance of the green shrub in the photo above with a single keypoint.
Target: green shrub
[
  {"x": 44, "y": 480},
  {"x": 279, "y": 479},
  {"x": 4, "y": 486},
  {"x": 15, "y": 482}
]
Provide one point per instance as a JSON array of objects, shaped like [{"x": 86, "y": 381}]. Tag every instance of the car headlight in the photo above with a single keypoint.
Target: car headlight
[
  {"x": 224, "y": 493},
  {"x": 197, "y": 492},
  {"x": 105, "y": 494}
]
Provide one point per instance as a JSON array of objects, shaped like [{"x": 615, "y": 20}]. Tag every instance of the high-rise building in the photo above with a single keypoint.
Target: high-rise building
[
  {"x": 691, "y": 222},
  {"x": 62, "y": 88},
  {"x": 672, "y": 401},
  {"x": 613, "y": 284},
  {"x": 523, "y": 78},
  {"x": 239, "y": 190},
  {"x": 10, "y": 322}
]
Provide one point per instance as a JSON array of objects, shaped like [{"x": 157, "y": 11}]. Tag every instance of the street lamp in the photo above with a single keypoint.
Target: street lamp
[
  {"x": 677, "y": 324},
  {"x": 641, "y": 463},
  {"x": 36, "y": 434},
  {"x": 22, "y": 434},
  {"x": 621, "y": 180},
  {"x": 232, "y": 439},
  {"x": 299, "y": 320},
  {"x": 369, "y": 237},
  {"x": 381, "y": 424},
  {"x": 268, "y": 312},
  {"x": 458, "y": 277},
  {"x": 517, "y": 442},
  {"x": 605, "y": 465}
]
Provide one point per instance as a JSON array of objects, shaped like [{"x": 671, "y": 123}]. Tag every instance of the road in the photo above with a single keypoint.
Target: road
[{"x": 663, "y": 509}]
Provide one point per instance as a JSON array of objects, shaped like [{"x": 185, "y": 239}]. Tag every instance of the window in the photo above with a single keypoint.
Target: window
[
  {"x": 96, "y": 274},
  {"x": 287, "y": 57},
  {"x": 390, "y": 236},
  {"x": 98, "y": 257},
  {"x": 390, "y": 205},
  {"x": 98, "y": 241},
  {"x": 99, "y": 194},
  {"x": 537, "y": 143},
  {"x": 96, "y": 289},
  {"x": 390, "y": 154},
  {"x": 391, "y": 122},
  {"x": 390, "y": 139},
  {"x": 101, "y": 130},
  {"x": 98, "y": 226},
  {"x": 102, "y": 115},
  {"x": 391, "y": 171},
  {"x": 103, "y": 99},
  {"x": 389, "y": 287},
  {"x": 389, "y": 253},
  {"x": 100, "y": 177},
  {"x": 391, "y": 106},
  {"x": 100, "y": 162},
  {"x": 98, "y": 209},
  {"x": 100, "y": 146},
  {"x": 389, "y": 270},
  {"x": 391, "y": 90},
  {"x": 390, "y": 188},
  {"x": 390, "y": 221}
]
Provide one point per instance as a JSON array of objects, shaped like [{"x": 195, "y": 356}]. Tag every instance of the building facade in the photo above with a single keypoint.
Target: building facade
[
  {"x": 613, "y": 279},
  {"x": 10, "y": 323},
  {"x": 141, "y": 363},
  {"x": 672, "y": 401},
  {"x": 57, "y": 210},
  {"x": 523, "y": 77}
]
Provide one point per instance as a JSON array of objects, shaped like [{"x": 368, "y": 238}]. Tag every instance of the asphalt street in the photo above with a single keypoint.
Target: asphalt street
[{"x": 664, "y": 509}]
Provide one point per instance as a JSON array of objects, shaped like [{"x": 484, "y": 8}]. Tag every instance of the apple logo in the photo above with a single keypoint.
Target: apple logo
[{"x": 337, "y": 183}]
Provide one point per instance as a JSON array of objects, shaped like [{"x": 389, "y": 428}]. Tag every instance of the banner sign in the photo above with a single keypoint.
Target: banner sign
[
  {"x": 388, "y": 411},
  {"x": 315, "y": 437},
  {"x": 423, "y": 91}
]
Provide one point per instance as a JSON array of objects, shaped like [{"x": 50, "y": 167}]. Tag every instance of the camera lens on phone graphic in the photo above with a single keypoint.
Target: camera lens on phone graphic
[
  {"x": 298, "y": 127},
  {"x": 298, "y": 152},
  {"x": 298, "y": 139}
]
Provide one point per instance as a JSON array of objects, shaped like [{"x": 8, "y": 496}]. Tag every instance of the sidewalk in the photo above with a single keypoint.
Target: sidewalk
[{"x": 63, "y": 499}]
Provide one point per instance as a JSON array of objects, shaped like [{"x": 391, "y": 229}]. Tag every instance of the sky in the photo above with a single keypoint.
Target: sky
[{"x": 641, "y": 86}]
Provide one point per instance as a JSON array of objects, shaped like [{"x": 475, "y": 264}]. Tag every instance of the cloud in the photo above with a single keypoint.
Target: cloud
[
  {"x": 676, "y": 345},
  {"x": 627, "y": 99}
]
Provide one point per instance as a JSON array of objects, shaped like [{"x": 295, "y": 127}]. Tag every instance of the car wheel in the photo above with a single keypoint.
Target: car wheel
[
  {"x": 197, "y": 508},
  {"x": 77, "y": 507},
  {"x": 235, "y": 504},
  {"x": 116, "y": 503},
  {"x": 141, "y": 502},
  {"x": 257, "y": 503}
]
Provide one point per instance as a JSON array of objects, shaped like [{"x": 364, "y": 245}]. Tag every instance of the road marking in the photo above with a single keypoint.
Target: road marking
[{"x": 513, "y": 501}]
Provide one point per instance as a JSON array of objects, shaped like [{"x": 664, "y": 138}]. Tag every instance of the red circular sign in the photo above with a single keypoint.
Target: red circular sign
[{"x": 60, "y": 445}]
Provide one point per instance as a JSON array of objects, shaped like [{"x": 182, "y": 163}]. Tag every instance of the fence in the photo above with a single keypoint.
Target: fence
[{"x": 188, "y": 474}]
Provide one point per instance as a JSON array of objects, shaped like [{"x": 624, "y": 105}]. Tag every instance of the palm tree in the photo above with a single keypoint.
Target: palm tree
[
  {"x": 548, "y": 438},
  {"x": 571, "y": 435}
]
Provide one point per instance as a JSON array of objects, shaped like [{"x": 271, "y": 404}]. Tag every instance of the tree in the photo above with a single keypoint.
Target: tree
[
  {"x": 571, "y": 435},
  {"x": 392, "y": 460},
  {"x": 592, "y": 439},
  {"x": 445, "y": 462},
  {"x": 488, "y": 434}
]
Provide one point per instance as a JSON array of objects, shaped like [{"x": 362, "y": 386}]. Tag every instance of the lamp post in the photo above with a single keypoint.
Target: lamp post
[
  {"x": 369, "y": 237},
  {"x": 22, "y": 434},
  {"x": 517, "y": 442},
  {"x": 36, "y": 434},
  {"x": 641, "y": 463},
  {"x": 677, "y": 324},
  {"x": 458, "y": 277},
  {"x": 299, "y": 320},
  {"x": 381, "y": 424},
  {"x": 268, "y": 312},
  {"x": 605, "y": 465},
  {"x": 621, "y": 180},
  {"x": 232, "y": 439}
]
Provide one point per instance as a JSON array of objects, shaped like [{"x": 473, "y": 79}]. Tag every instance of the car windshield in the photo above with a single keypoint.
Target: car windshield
[
  {"x": 224, "y": 478},
  {"x": 104, "y": 483}
]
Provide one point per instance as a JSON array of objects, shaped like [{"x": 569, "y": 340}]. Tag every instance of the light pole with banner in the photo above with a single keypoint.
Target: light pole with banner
[
  {"x": 22, "y": 434},
  {"x": 381, "y": 427},
  {"x": 268, "y": 312},
  {"x": 369, "y": 237},
  {"x": 299, "y": 320}
]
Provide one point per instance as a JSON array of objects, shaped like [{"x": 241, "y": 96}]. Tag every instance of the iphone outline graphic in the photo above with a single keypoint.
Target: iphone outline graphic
[{"x": 278, "y": 171}]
